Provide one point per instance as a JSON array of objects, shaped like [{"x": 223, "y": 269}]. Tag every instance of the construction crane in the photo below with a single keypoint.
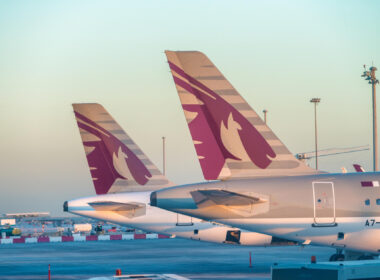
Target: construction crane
[{"x": 331, "y": 152}]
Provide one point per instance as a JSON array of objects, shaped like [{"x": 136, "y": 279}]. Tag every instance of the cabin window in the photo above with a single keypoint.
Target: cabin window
[
  {"x": 378, "y": 201},
  {"x": 367, "y": 202},
  {"x": 196, "y": 231}
]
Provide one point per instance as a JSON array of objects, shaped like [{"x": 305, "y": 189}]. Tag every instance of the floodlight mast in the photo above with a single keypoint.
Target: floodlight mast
[
  {"x": 315, "y": 101},
  {"x": 163, "y": 156},
  {"x": 265, "y": 111},
  {"x": 370, "y": 76}
]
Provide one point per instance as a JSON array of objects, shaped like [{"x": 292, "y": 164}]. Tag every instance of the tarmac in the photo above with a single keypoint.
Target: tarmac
[{"x": 191, "y": 259}]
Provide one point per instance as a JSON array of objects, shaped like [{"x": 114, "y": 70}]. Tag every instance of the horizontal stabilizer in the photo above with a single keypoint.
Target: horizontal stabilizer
[
  {"x": 223, "y": 197},
  {"x": 126, "y": 209},
  {"x": 115, "y": 206}
]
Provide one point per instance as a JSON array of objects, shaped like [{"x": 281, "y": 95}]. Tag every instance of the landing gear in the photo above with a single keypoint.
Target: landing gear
[
  {"x": 350, "y": 256},
  {"x": 339, "y": 257}
]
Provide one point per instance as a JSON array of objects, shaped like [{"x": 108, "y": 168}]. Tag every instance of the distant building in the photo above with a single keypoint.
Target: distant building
[
  {"x": 27, "y": 215},
  {"x": 7, "y": 222}
]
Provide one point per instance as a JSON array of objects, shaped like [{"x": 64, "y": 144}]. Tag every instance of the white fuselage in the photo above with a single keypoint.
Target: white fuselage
[
  {"x": 357, "y": 236},
  {"x": 162, "y": 221},
  {"x": 338, "y": 210}
]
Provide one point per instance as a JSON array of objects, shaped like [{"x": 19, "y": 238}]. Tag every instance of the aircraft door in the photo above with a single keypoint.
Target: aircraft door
[{"x": 324, "y": 204}]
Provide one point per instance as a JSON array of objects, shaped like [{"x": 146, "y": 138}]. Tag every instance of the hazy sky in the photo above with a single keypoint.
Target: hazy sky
[{"x": 277, "y": 54}]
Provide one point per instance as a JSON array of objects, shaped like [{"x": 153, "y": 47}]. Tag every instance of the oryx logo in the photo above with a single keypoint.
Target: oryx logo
[
  {"x": 109, "y": 159},
  {"x": 224, "y": 133}
]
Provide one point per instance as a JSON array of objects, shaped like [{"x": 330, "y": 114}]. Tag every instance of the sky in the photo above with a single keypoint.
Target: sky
[{"x": 277, "y": 54}]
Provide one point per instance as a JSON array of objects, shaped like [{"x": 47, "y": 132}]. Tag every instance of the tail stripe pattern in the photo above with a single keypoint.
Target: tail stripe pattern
[
  {"x": 116, "y": 163},
  {"x": 230, "y": 139}
]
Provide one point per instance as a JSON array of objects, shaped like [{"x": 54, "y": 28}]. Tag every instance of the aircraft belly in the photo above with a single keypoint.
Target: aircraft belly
[
  {"x": 165, "y": 223},
  {"x": 359, "y": 233}
]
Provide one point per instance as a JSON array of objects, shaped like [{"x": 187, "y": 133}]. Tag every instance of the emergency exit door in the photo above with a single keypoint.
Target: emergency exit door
[{"x": 324, "y": 204}]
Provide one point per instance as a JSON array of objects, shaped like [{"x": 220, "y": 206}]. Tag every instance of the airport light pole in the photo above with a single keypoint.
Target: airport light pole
[
  {"x": 163, "y": 155},
  {"x": 265, "y": 111},
  {"x": 315, "y": 101},
  {"x": 370, "y": 76}
]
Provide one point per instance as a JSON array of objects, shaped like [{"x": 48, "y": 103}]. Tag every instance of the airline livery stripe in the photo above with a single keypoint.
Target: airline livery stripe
[
  {"x": 155, "y": 172},
  {"x": 112, "y": 121},
  {"x": 117, "y": 131},
  {"x": 133, "y": 147},
  {"x": 280, "y": 150},
  {"x": 210, "y": 78},
  {"x": 128, "y": 141},
  {"x": 137, "y": 152},
  {"x": 233, "y": 99},
  {"x": 370, "y": 184},
  {"x": 145, "y": 161},
  {"x": 208, "y": 66},
  {"x": 256, "y": 121},
  {"x": 248, "y": 113},
  {"x": 268, "y": 135},
  {"x": 226, "y": 92},
  {"x": 261, "y": 127},
  {"x": 241, "y": 106}
]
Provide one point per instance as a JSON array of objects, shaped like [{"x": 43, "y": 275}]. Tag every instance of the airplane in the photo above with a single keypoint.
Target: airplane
[
  {"x": 258, "y": 185},
  {"x": 124, "y": 177},
  {"x": 358, "y": 168}
]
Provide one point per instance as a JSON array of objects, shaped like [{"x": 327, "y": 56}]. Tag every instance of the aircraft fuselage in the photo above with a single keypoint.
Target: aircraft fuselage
[
  {"x": 112, "y": 208},
  {"x": 339, "y": 210}
]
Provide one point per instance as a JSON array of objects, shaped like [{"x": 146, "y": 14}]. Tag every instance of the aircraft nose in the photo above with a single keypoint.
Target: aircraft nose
[
  {"x": 153, "y": 199},
  {"x": 65, "y": 206}
]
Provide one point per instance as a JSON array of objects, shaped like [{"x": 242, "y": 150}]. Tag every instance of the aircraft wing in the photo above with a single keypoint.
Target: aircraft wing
[{"x": 223, "y": 198}]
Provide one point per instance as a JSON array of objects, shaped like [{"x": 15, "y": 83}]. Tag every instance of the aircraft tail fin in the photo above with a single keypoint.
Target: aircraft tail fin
[
  {"x": 229, "y": 137},
  {"x": 358, "y": 168},
  {"x": 116, "y": 163}
]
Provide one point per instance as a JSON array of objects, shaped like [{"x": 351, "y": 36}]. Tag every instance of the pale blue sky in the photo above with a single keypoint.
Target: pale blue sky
[{"x": 278, "y": 54}]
